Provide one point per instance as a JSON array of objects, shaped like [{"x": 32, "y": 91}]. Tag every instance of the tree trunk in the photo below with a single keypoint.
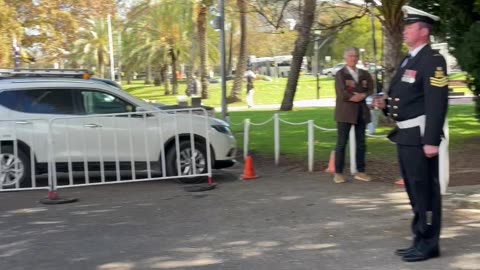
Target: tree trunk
[
  {"x": 166, "y": 84},
  {"x": 173, "y": 56},
  {"x": 393, "y": 27},
  {"x": 301, "y": 45},
  {"x": 202, "y": 42},
  {"x": 190, "y": 69},
  {"x": 101, "y": 64},
  {"x": 242, "y": 56},
  {"x": 230, "y": 51},
  {"x": 392, "y": 54},
  {"x": 148, "y": 75}
]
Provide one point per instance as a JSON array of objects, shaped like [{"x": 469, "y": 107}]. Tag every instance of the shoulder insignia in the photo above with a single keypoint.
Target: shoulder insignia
[{"x": 439, "y": 79}]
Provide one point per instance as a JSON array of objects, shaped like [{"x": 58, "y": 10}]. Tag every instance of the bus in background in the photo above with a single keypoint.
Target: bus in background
[{"x": 275, "y": 66}]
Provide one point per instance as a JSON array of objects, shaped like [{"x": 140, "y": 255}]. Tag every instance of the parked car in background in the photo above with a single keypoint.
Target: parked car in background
[{"x": 332, "y": 70}]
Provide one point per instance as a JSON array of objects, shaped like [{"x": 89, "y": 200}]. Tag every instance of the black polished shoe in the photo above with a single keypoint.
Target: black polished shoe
[
  {"x": 404, "y": 251},
  {"x": 417, "y": 256}
]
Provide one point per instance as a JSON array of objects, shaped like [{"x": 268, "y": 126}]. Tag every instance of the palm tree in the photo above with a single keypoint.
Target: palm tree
[
  {"x": 202, "y": 43},
  {"x": 391, "y": 19},
  {"x": 162, "y": 29},
  {"x": 242, "y": 56},
  {"x": 92, "y": 45}
]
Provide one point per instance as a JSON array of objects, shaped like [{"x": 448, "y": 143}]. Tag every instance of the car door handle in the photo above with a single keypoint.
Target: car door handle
[
  {"x": 23, "y": 122},
  {"x": 92, "y": 125}
]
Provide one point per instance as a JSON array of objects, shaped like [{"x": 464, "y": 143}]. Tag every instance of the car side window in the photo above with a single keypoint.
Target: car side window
[
  {"x": 96, "y": 102},
  {"x": 39, "y": 101}
]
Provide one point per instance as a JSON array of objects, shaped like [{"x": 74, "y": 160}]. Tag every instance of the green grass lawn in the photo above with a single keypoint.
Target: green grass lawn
[
  {"x": 293, "y": 139},
  {"x": 265, "y": 92}
]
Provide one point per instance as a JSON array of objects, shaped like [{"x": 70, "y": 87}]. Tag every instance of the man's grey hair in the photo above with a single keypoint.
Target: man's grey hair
[
  {"x": 426, "y": 25},
  {"x": 351, "y": 49}
]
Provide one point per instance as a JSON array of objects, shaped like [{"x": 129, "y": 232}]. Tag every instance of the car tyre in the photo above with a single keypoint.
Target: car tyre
[
  {"x": 186, "y": 166},
  {"x": 14, "y": 169}
]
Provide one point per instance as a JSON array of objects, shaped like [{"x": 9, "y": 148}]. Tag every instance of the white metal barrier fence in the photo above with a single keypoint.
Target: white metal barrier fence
[
  {"x": 310, "y": 139},
  {"x": 73, "y": 151}
]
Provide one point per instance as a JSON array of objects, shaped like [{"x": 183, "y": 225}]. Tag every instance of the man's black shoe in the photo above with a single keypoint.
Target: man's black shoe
[
  {"x": 404, "y": 251},
  {"x": 417, "y": 256}
]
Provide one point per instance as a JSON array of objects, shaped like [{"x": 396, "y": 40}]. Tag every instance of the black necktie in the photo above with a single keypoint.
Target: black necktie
[{"x": 405, "y": 61}]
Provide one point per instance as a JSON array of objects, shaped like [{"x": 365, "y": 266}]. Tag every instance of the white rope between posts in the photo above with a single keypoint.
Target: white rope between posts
[
  {"x": 324, "y": 129},
  {"x": 377, "y": 136},
  {"x": 294, "y": 124},
  {"x": 262, "y": 123},
  {"x": 310, "y": 139}
]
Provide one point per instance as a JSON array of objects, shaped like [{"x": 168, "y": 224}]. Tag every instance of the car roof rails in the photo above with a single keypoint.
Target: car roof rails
[{"x": 42, "y": 73}]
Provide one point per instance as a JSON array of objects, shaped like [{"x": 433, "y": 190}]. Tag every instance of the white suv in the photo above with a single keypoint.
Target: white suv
[{"x": 96, "y": 124}]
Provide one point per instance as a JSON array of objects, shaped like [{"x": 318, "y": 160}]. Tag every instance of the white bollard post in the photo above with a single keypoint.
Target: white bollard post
[
  {"x": 246, "y": 128},
  {"x": 276, "y": 135},
  {"x": 310, "y": 145},
  {"x": 353, "y": 150}
]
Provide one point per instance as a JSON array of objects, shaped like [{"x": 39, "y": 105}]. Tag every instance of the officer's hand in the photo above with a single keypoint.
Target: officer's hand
[
  {"x": 378, "y": 103},
  {"x": 430, "y": 150}
]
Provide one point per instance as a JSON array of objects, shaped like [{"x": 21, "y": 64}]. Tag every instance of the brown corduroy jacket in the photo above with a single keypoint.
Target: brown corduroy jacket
[{"x": 345, "y": 110}]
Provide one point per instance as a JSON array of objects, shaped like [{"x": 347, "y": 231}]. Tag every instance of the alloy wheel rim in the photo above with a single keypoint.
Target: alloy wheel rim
[
  {"x": 186, "y": 163},
  {"x": 11, "y": 169}
]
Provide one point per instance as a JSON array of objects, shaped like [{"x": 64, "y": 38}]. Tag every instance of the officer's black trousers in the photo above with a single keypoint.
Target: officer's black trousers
[
  {"x": 343, "y": 130},
  {"x": 420, "y": 175}
]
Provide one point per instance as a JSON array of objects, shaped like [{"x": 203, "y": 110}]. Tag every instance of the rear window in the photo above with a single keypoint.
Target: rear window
[{"x": 39, "y": 101}]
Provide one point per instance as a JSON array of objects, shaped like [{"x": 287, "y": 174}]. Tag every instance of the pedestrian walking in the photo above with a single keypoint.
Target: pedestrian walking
[
  {"x": 250, "y": 76},
  {"x": 352, "y": 86},
  {"x": 418, "y": 102}
]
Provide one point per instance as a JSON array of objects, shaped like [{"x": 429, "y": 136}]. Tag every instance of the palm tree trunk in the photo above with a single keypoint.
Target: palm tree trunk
[
  {"x": 173, "y": 57},
  {"x": 242, "y": 57},
  {"x": 148, "y": 76},
  {"x": 166, "y": 84},
  {"x": 392, "y": 53},
  {"x": 301, "y": 45},
  {"x": 101, "y": 64},
  {"x": 202, "y": 42}
]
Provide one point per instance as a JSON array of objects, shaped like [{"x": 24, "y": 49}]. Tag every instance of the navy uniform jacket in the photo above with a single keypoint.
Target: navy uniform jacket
[{"x": 419, "y": 88}]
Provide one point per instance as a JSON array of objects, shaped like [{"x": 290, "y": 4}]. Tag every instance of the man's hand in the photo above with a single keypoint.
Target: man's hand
[
  {"x": 357, "y": 97},
  {"x": 379, "y": 102},
  {"x": 430, "y": 150}
]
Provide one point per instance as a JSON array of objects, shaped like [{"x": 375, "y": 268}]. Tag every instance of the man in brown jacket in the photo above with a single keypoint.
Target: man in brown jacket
[{"x": 352, "y": 86}]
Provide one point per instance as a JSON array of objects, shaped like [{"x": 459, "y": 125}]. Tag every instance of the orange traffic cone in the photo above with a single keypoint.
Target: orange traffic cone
[
  {"x": 400, "y": 182},
  {"x": 331, "y": 163},
  {"x": 248, "y": 172}
]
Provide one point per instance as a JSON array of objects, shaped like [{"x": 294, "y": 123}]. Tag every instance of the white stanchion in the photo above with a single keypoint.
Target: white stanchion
[
  {"x": 276, "y": 136},
  {"x": 353, "y": 150},
  {"x": 310, "y": 140},
  {"x": 246, "y": 127},
  {"x": 310, "y": 145},
  {"x": 444, "y": 160}
]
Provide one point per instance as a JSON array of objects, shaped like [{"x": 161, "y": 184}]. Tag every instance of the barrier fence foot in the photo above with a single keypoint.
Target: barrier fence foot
[
  {"x": 200, "y": 187},
  {"x": 53, "y": 198}
]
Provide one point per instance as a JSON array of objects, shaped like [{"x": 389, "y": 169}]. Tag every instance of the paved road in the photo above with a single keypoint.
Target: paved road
[{"x": 284, "y": 220}]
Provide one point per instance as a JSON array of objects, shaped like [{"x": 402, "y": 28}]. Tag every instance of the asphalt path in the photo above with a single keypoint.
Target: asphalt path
[{"x": 284, "y": 220}]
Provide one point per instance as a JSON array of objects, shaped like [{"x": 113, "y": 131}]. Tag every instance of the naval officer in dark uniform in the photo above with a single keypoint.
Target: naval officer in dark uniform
[{"x": 418, "y": 101}]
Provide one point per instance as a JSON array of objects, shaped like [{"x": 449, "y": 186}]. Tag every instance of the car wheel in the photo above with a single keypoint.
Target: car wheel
[
  {"x": 186, "y": 164},
  {"x": 14, "y": 169}
]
